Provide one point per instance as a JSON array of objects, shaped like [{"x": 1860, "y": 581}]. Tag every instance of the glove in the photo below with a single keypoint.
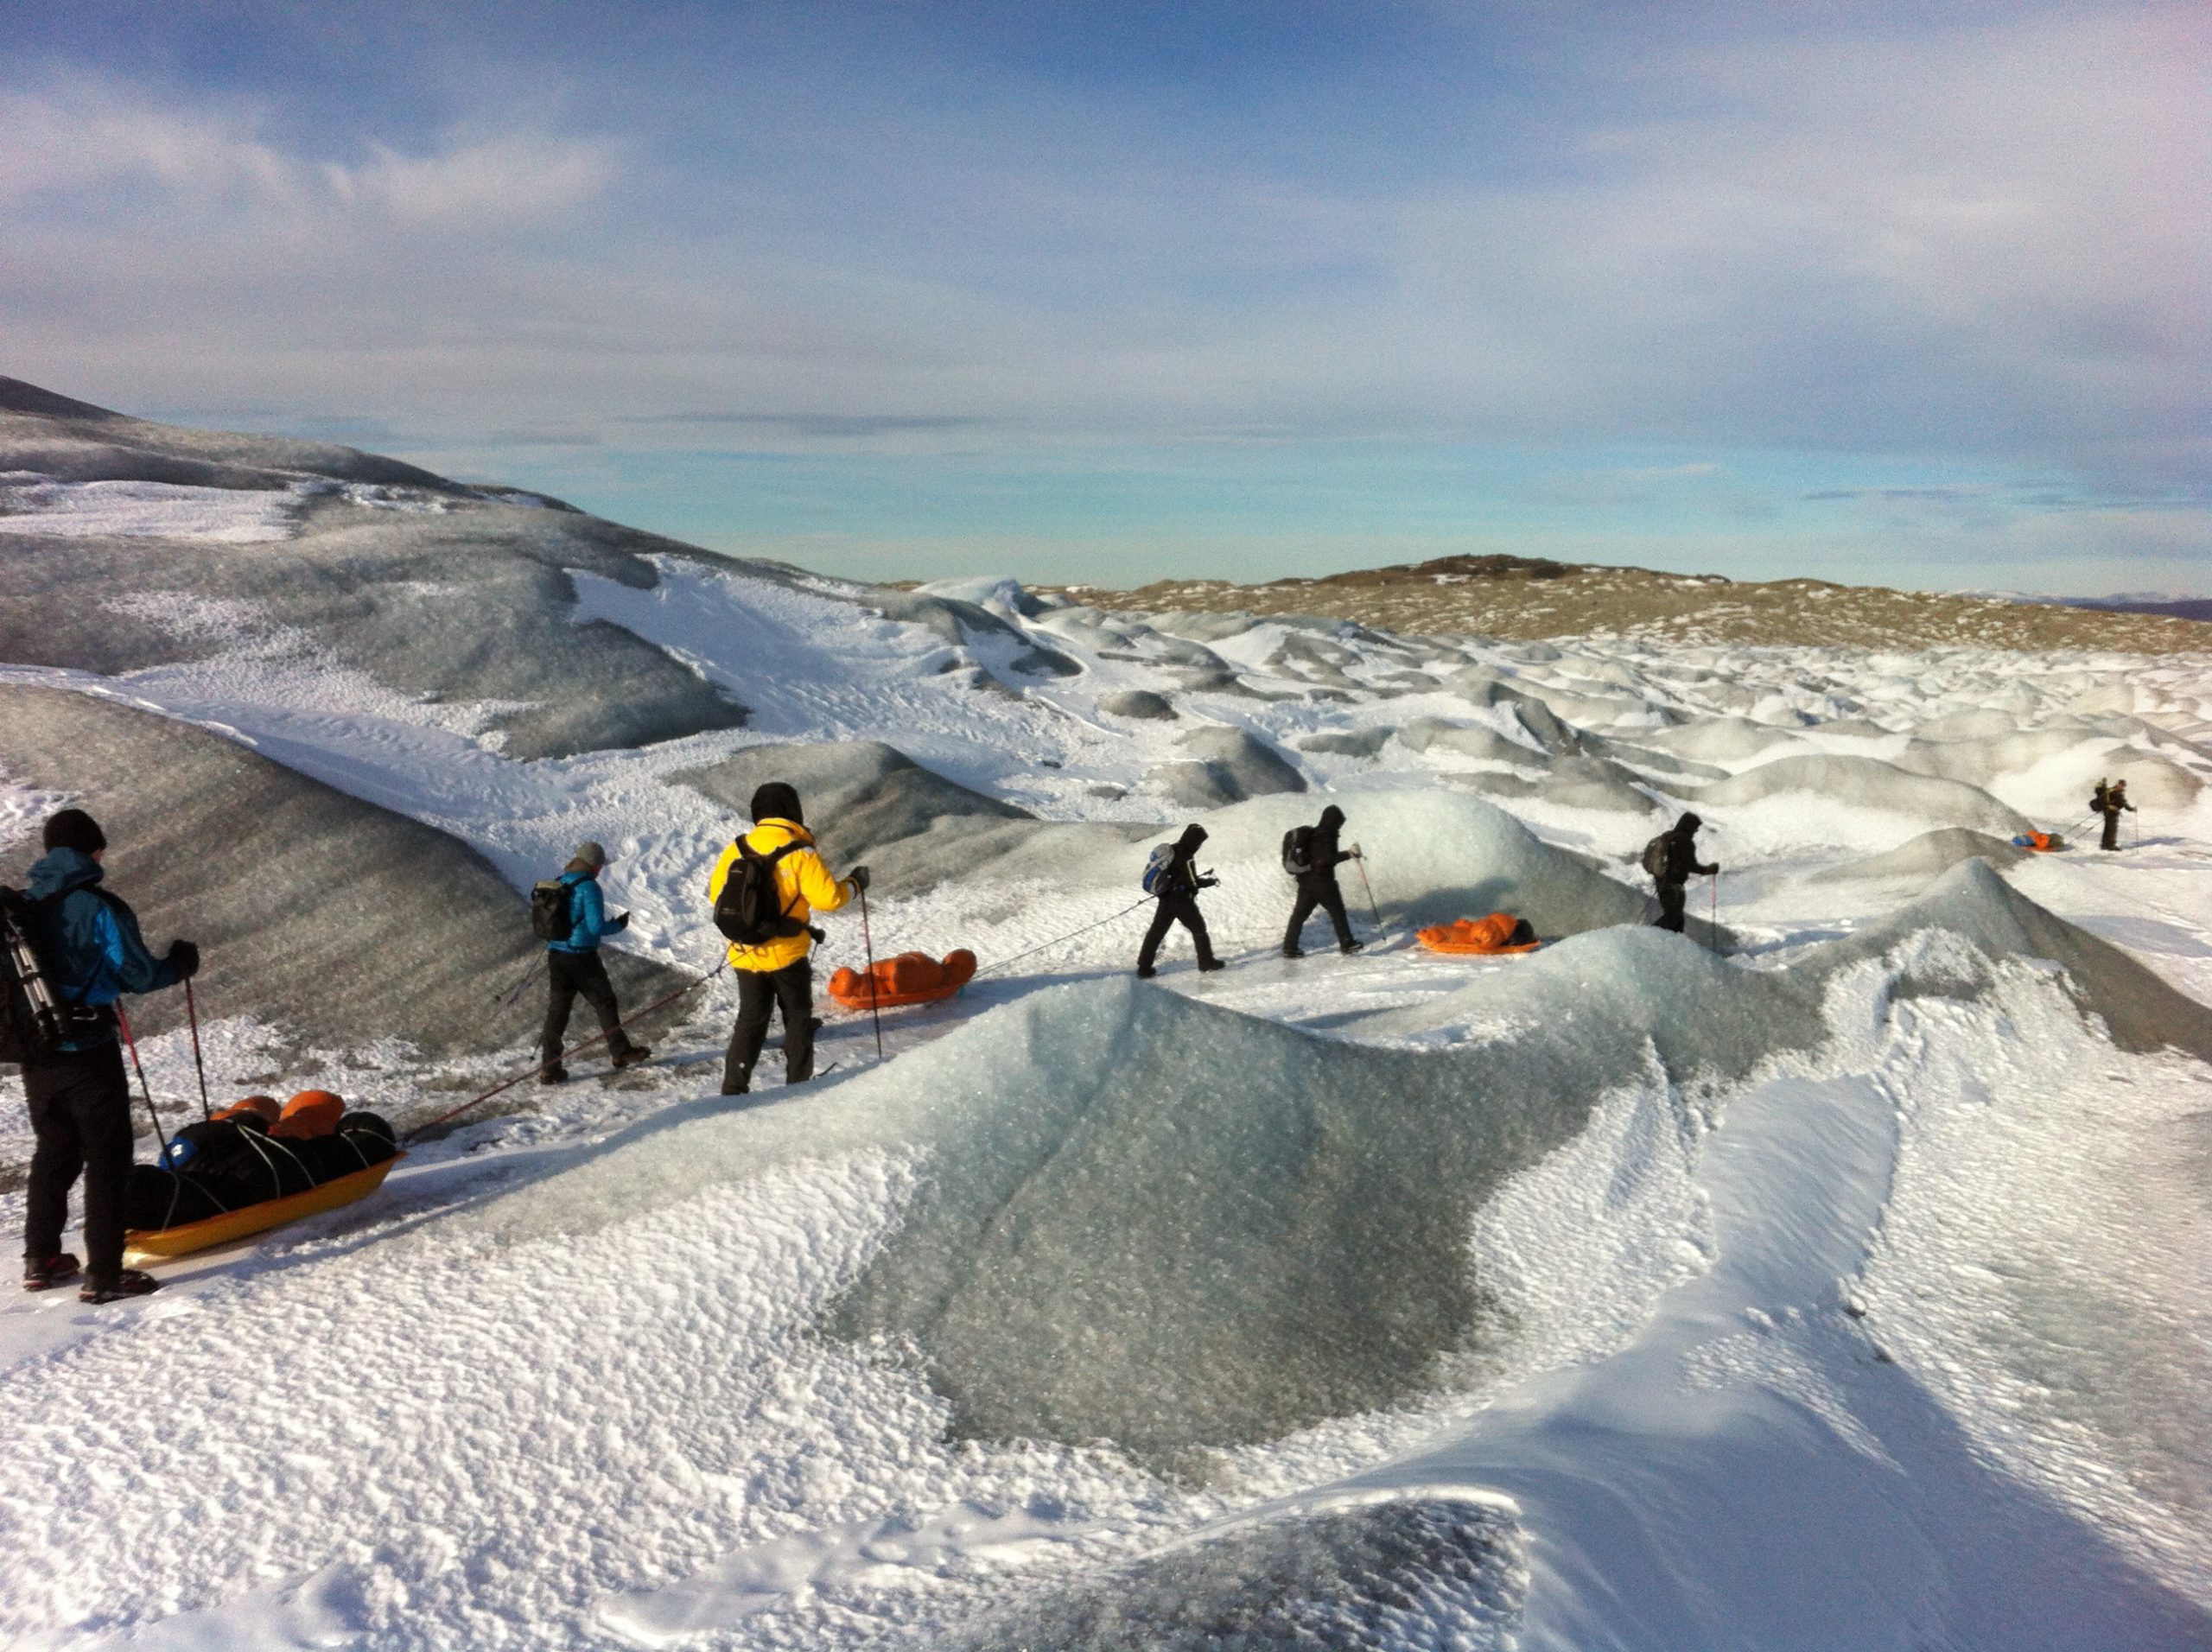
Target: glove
[
  {"x": 619, "y": 921},
  {"x": 1208, "y": 882},
  {"x": 1356, "y": 855},
  {"x": 185, "y": 957},
  {"x": 859, "y": 875},
  {"x": 819, "y": 934}
]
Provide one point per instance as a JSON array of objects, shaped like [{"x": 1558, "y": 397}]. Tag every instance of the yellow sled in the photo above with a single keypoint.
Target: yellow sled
[{"x": 154, "y": 1244}]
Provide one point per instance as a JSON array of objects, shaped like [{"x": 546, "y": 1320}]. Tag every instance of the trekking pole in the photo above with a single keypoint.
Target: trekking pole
[
  {"x": 1359, "y": 860},
  {"x": 574, "y": 1049},
  {"x": 868, "y": 942},
  {"x": 192, "y": 1014},
  {"x": 144, "y": 1089},
  {"x": 1713, "y": 909},
  {"x": 514, "y": 992}
]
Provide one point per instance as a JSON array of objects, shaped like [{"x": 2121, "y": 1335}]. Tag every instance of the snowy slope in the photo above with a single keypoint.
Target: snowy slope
[{"x": 1848, "y": 1289}]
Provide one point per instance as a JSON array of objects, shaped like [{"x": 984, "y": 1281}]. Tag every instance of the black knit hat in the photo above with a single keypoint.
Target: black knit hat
[
  {"x": 777, "y": 801},
  {"x": 73, "y": 828}
]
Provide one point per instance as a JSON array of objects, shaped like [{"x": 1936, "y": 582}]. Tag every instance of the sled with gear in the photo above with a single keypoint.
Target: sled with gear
[
  {"x": 1500, "y": 935},
  {"x": 2039, "y": 843},
  {"x": 253, "y": 1166},
  {"x": 909, "y": 978}
]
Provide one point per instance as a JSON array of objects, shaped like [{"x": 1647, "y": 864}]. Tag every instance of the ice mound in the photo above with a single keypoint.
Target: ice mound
[
  {"x": 1865, "y": 782},
  {"x": 1720, "y": 740},
  {"x": 859, "y": 795},
  {"x": 1346, "y": 742},
  {"x": 1574, "y": 783},
  {"x": 1227, "y": 766},
  {"x": 1142, "y": 704},
  {"x": 1972, "y": 902},
  {"x": 74, "y": 441},
  {"x": 339, "y": 921},
  {"x": 1146, "y": 1219},
  {"x": 2058, "y": 768},
  {"x": 1411, "y": 1571},
  {"x": 1927, "y": 854},
  {"x": 1483, "y": 744}
]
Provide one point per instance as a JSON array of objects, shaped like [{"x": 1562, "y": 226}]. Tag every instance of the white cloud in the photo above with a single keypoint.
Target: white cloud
[{"x": 66, "y": 142}]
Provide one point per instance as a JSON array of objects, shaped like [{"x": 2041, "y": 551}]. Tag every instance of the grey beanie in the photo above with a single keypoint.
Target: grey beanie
[{"x": 589, "y": 854}]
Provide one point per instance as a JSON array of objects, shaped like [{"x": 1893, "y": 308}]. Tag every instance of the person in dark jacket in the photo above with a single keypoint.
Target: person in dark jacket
[
  {"x": 573, "y": 968},
  {"x": 1177, "y": 890},
  {"x": 2111, "y": 798},
  {"x": 79, "y": 1098},
  {"x": 1681, "y": 863},
  {"x": 1317, "y": 885}
]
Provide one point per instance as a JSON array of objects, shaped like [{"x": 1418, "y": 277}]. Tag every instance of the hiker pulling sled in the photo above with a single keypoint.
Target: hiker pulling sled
[
  {"x": 1172, "y": 881},
  {"x": 1671, "y": 860},
  {"x": 1310, "y": 857},
  {"x": 71, "y": 950},
  {"x": 570, "y": 915},
  {"x": 766, "y": 889}
]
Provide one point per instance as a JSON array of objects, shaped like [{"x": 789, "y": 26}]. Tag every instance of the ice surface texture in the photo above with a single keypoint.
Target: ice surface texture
[
  {"x": 1410, "y": 1573},
  {"x": 339, "y": 921}
]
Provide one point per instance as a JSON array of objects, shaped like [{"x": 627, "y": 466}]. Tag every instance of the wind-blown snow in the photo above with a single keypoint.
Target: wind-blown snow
[{"x": 1838, "y": 1282}]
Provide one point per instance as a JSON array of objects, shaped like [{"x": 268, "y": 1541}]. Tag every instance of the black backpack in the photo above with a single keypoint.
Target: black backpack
[
  {"x": 34, "y": 1017},
  {"x": 1654, "y": 854},
  {"x": 1298, "y": 851},
  {"x": 550, "y": 918},
  {"x": 748, "y": 910}
]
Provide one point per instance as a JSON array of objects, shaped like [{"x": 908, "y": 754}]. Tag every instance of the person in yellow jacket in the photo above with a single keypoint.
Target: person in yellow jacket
[{"x": 778, "y": 972}]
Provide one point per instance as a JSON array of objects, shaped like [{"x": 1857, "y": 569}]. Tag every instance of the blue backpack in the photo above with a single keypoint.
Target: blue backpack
[{"x": 1156, "y": 868}]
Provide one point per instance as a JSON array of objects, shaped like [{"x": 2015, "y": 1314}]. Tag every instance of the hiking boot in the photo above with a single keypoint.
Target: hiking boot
[
  {"x": 45, "y": 1276},
  {"x": 129, "y": 1282},
  {"x": 553, "y": 1073},
  {"x": 632, "y": 1055},
  {"x": 1293, "y": 952},
  {"x": 1146, "y": 972},
  {"x": 1205, "y": 964},
  {"x": 1349, "y": 947}
]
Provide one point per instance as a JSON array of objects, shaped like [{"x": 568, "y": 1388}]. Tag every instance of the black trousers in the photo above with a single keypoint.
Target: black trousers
[
  {"x": 80, "y": 1117},
  {"x": 2112, "y": 830},
  {"x": 1176, "y": 909},
  {"x": 760, "y": 994},
  {"x": 1317, "y": 890},
  {"x": 1670, "y": 906},
  {"x": 572, "y": 975}
]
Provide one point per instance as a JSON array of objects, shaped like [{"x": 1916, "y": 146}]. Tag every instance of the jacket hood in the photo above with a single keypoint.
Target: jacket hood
[
  {"x": 1194, "y": 834},
  {"x": 61, "y": 870},
  {"x": 1688, "y": 823},
  {"x": 777, "y": 800},
  {"x": 1331, "y": 815}
]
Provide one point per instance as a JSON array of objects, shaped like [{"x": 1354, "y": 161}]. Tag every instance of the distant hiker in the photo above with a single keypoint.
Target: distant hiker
[
  {"x": 2111, "y": 798},
  {"x": 571, "y": 914},
  {"x": 1171, "y": 879},
  {"x": 1310, "y": 854},
  {"x": 1671, "y": 858},
  {"x": 87, "y": 941},
  {"x": 766, "y": 887}
]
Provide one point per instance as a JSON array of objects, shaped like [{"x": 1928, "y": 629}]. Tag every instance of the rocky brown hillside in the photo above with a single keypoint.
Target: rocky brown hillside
[{"x": 1524, "y": 599}]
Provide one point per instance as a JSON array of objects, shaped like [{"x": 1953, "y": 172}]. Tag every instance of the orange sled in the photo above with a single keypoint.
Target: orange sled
[
  {"x": 2040, "y": 843},
  {"x": 909, "y": 978},
  {"x": 1493, "y": 937},
  {"x": 144, "y": 1244}
]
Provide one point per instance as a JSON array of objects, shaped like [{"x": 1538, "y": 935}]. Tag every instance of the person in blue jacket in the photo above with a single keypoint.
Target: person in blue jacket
[
  {"x": 573, "y": 967},
  {"x": 88, "y": 941}
]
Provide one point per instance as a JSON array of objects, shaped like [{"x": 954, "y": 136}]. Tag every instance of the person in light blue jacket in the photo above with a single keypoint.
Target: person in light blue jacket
[
  {"x": 88, "y": 943},
  {"x": 573, "y": 969}
]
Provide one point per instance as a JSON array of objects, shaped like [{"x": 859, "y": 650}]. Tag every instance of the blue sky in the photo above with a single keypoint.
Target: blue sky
[{"x": 1910, "y": 294}]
